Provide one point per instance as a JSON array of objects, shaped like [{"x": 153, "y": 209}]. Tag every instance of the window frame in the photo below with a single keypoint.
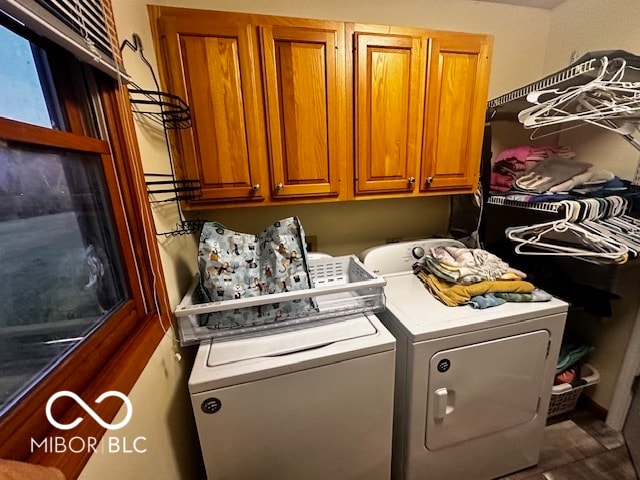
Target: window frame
[{"x": 114, "y": 355}]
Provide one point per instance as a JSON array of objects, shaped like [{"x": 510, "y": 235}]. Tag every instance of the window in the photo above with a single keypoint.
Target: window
[
  {"x": 79, "y": 260},
  {"x": 22, "y": 97},
  {"x": 60, "y": 253}
]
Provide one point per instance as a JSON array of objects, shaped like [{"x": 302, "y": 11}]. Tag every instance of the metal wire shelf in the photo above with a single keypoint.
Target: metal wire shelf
[
  {"x": 162, "y": 108},
  {"x": 170, "y": 112}
]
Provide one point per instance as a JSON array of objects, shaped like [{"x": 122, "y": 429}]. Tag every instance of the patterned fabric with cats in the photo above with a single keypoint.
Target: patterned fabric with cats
[{"x": 236, "y": 265}]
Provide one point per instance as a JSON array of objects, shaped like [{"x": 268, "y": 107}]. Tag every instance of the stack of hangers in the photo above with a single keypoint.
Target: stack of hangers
[
  {"x": 594, "y": 229},
  {"x": 610, "y": 100},
  {"x": 595, "y": 208}
]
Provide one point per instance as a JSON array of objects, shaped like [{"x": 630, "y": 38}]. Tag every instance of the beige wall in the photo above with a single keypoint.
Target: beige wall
[
  {"x": 583, "y": 26},
  {"x": 587, "y": 26},
  {"x": 161, "y": 410},
  {"x": 162, "y": 415},
  {"x": 578, "y": 27}
]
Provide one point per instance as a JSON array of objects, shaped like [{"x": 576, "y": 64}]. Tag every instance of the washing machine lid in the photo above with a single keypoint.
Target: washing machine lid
[
  {"x": 288, "y": 342},
  {"x": 422, "y": 317},
  {"x": 220, "y": 364}
]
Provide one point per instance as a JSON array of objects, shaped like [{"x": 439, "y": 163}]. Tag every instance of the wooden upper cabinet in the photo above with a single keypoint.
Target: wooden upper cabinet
[
  {"x": 302, "y": 72},
  {"x": 210, "y": 63},
  {"x": 288, "y": 110},
  {"x": 457, "y": 86},
  {"x": 389, "y": 98}
]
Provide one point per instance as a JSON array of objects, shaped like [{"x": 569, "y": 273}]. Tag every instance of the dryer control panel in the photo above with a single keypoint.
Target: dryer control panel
[{"x": 400, "y": 257}]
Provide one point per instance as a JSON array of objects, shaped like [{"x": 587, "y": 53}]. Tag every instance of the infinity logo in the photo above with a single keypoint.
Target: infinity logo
[{"x": 89, "y": 410}]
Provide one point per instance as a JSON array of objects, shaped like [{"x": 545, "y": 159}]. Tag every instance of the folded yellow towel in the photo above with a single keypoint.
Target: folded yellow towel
[{"x": 454, "y": 294}]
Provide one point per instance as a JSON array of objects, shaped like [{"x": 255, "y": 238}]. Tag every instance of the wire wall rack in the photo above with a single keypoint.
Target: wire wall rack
[
  {"x": 552, "y": 207},
  {"x": 170, "y": 112},
  {"x": 584, "y": 70},
  {"x": 163, "y": 108},
  {"x": 559, "y": 80}
]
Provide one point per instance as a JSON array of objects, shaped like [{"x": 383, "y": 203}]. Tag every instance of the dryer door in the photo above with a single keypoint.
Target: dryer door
[{"x": 479, "y": 389}]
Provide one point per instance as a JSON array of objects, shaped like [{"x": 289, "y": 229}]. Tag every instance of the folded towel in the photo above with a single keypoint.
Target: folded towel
[
  {"x": 494, "y": 299},
  {"x": 474, "y": 264},
  {"x": 453, "y": 295},
  {"x": 552, "y": 171},
  {"x": 590, "y": 177}
]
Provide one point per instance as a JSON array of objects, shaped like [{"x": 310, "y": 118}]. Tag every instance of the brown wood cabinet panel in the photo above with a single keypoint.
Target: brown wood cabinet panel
[
  {"x": 288, "y": 110},
  {"x": 389, "y": 85},
  {"x": 454, "y": 112},
  {"x": 212, "y": 67},
  {"x": 300, "y": 72}
]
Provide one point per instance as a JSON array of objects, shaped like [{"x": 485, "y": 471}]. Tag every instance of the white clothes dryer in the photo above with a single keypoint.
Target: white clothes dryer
[
  {"x": 314, "y": 403},
  {"x": 472, "y": 386}
]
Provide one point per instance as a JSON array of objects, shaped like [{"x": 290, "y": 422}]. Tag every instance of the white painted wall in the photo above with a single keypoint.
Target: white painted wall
[{"x": 161, "y": 409}]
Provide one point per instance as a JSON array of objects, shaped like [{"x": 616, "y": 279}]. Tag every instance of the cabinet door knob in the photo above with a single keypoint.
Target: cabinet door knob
[
  {"x": 429, "y": 180},
  {"x": 412, "y": 180},
  {"x": 256, "y": 186},
  {"x": 279, "y": 186}
]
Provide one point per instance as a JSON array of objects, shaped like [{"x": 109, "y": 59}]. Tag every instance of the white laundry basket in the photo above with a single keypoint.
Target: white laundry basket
[{"x": 564, "y": 397}]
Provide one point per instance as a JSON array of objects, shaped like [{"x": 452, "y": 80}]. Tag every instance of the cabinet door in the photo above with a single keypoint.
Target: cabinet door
[
  {"x": 301, "y": 68},
  {"x": 212, "y": 66},
  {"x": 454, "y": 113},
  {"x": 389, "y": 85}
]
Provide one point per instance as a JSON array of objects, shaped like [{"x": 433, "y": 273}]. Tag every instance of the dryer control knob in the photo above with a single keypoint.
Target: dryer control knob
[
  {"x": 211, "y": 405},
  {"x": 417, "y": 252}
]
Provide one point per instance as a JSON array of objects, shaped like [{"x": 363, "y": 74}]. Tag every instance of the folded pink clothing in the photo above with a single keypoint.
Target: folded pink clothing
[
  {"x": 511, "y": 164},
  {"x": 511, "y": 168},
  {"x": 526, "y": 153},
  {"x": 519, "y": 153},
  {"x": 500, "y": 183}
]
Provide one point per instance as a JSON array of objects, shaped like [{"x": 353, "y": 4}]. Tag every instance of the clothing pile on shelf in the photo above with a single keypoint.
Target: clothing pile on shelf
[
  {"x": 514, "y": 162},
  {"x": 551, "y": 173},
  {"x": 569, "y": 360},
  {"x": 475, "y": 277}
]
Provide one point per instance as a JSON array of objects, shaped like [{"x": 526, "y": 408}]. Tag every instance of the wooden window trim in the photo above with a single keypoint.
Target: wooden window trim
[{"x": 115, "y": 358}]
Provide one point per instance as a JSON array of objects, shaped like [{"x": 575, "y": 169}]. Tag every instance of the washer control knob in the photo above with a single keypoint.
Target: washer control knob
[
  {"x": 211, "y": 405},
  {"x": 417, "y": 252}
]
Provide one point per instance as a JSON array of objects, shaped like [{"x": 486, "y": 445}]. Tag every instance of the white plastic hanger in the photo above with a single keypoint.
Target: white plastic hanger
[
  {"x": 604, "y": 97},
  {"x": 587, "y": 244},
  {"x": 565, "y": 238}
]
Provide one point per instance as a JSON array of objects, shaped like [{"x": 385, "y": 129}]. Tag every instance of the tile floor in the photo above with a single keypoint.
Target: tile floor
[{"x": 578, "y": 446}]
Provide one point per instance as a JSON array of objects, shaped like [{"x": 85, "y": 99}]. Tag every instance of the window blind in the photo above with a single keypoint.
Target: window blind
[{"x": 83, "y": 27}]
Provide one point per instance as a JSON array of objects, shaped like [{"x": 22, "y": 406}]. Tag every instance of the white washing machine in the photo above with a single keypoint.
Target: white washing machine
[
  {"x": 472, "y": 386},
  {"x": 312, "y": 403}
]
